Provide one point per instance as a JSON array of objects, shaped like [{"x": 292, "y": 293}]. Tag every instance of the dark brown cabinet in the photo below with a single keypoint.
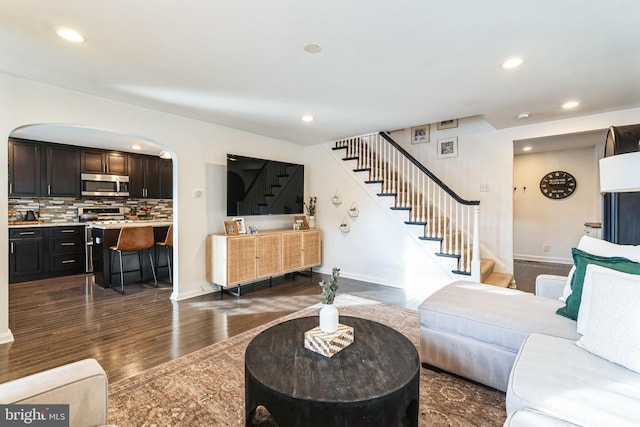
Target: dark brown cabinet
[
  {"x": 42, "y": 252},
  {"x": 62, "y": 172},
  {"x": 144, "y": 177},
  {"x": 166, "y": 179},
  {"x": 26, "y": 254},
  {"x": 40, "y": 169},
  {"x": 67, "y": 249},
  {"x": 109, "y": 162},
  {"x": 24, "y": 168}
]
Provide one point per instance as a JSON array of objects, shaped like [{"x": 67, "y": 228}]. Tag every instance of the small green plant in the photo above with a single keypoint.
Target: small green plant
[
  {"x": 311, "y": 206},
  {"x": 328, "y": 293}
]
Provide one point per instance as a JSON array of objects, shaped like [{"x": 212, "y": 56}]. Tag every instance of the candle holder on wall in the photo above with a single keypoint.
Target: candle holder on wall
[
  {"x": 353, "y": 210},
  {"x": 344, "y": 226}
]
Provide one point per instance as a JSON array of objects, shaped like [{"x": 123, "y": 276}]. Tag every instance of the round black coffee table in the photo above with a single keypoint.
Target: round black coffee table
[{"x": 373, "y": 382}]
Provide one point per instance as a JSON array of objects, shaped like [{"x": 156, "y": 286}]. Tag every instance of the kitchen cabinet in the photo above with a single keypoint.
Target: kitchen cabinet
[
  {"x": 64, "y": 255},
  {"x": 144, "y": 177},
  {"x": 166, "y": 179},
  {"x": 232, "y": 260},
  {"x": 26, "y": 254},
  {"x": 102, "y": 161},
  {"x": 37, "y": 169},
  {"x": 67, "y": 249},
  {"x": 62, "y": 171},
  {"x": 24, "y": 168}
]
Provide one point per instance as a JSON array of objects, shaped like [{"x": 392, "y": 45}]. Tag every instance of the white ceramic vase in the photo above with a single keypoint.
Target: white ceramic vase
[
  {"x": 328, "y": 318},
  {"x": 312, "y": 222}
]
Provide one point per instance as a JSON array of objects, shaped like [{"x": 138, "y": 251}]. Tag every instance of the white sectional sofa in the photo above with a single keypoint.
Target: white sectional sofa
[
  {"x": 515, "y": 342},
  {"x": 82, "y": 385}
]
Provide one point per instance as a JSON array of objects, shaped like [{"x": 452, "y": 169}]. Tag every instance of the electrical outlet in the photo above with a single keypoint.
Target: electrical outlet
[
  {"x": 484, "y": 187},
  {"x": 546, "y": 247}
]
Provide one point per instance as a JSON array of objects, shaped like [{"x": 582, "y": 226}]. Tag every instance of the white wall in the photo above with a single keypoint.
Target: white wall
[
  {"x": 194, "y": 145},
  {"x": 369, "y": 251},
  {"x": 559, "y": 224},
  {"x": 485, "y": 157},
  {"x": 378, "y": 248}
]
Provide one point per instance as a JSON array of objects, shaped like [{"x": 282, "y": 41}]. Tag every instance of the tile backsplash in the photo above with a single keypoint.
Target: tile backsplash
[{"x": 61, "y": 210}]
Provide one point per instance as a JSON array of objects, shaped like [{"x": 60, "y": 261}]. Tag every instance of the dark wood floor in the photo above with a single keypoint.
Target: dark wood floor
[{"x": 63, "y": 320}]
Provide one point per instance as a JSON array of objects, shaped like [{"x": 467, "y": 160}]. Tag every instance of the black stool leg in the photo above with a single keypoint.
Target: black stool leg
[
  {"x": 121, "y": 274},
  {"x": 169, "y": 250},
  {"x": 153, "y": 269}
]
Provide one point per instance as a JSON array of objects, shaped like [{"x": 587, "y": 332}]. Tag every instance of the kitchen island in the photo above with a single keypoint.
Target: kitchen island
[{"x": 107, "y": 273}]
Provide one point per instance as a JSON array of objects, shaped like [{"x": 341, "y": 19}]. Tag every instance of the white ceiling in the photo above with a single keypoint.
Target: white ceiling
[
  {"x": 384, "y": 65},
  {"x": 561, "y": 142}
]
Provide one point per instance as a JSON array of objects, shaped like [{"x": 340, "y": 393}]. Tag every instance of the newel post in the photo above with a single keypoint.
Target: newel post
[{"x": 475, "y": 260}]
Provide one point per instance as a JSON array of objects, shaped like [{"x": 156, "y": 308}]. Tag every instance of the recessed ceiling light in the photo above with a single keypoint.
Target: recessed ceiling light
[
  {"x": 312, "y": 48},
  {"x": 136, "y": 147},
  {"x": 570, "y": 104},
  {"x": 527, "y": 148},
  {"x": 512, "y": 63},
  {"x": 523, "y": 115},
  {"x": 71, "y": 35},
  {"x": 307, "y": 118}
]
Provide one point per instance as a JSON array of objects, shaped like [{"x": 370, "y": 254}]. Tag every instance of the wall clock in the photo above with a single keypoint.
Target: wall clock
[{"x": 558, "y": 185}]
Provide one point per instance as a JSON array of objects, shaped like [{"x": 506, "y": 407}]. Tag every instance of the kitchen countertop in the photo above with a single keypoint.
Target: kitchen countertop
[
  {"x": 25, "y": 224},
  {"x": 141, "y": 223}
]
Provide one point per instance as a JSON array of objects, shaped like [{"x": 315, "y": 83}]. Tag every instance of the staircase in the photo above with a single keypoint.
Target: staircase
[{"x": 446, "y": 218}]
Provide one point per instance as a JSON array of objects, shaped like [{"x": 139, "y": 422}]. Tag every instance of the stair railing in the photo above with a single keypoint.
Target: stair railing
[{"x": 446, "y": 216}]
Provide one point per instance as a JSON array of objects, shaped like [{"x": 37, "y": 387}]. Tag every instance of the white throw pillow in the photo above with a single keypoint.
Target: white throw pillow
[
  {"x": 612, "y": 328},
  {"x": 601, "y": 247},
  {"x": 585, "y": 303}
]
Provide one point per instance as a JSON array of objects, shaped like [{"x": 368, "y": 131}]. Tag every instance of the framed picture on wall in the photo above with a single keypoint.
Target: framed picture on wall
[
  {"x": 420, "y": 134},
  {"x": 448, "y": 147},
  {"x": 448, "y": 124}
]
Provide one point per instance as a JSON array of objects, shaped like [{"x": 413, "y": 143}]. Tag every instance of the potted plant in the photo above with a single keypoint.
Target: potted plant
[
  {"x": 311, "y": 211},
  {"x": 328, "y": 313}
]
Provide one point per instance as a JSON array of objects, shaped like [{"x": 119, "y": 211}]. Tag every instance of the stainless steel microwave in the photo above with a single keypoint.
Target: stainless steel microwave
[{"x": 104, "y": 185}]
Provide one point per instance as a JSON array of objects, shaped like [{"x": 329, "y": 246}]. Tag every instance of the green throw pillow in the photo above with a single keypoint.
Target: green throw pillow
[{"x": 581, "y": 259}]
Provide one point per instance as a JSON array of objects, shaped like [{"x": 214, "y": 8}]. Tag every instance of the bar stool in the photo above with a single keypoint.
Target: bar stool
[
  {"x": 134, "y": 239},
  {"x": 168, "y": 245}
]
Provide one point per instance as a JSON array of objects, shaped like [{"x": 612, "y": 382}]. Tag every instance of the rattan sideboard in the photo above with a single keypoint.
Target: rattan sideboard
[{"x": 233, "y": 260}]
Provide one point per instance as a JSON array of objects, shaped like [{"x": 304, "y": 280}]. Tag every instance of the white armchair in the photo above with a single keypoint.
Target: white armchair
[{"x": 82, "y": 385}]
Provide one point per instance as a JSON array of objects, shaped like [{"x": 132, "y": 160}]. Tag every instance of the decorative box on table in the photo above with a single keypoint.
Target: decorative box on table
[{"x": 328, "y": 344}]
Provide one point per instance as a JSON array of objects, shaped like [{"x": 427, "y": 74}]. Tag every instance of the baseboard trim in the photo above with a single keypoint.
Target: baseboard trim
[
  {"x": 536, "y": 258},
  {"x": 7, "y": 337}
]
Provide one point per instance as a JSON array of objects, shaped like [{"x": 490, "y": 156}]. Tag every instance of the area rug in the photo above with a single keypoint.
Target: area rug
[{"x": 206, "y": 388}]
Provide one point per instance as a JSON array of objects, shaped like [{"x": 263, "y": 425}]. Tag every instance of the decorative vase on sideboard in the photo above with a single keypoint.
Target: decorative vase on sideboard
[
  {"x": 312, "y": 222},
  {"x": 329, "y": 318}
]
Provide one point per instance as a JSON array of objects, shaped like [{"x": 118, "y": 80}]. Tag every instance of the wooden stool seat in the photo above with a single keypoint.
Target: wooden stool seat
[{"x": 134, "y": 239}]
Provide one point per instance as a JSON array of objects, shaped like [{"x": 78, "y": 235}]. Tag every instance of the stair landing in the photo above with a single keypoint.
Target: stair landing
[{"x": 490, "y": 277}]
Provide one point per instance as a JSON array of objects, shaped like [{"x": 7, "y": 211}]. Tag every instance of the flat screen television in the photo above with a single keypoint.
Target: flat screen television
[{"x": 263, "y": 187}]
